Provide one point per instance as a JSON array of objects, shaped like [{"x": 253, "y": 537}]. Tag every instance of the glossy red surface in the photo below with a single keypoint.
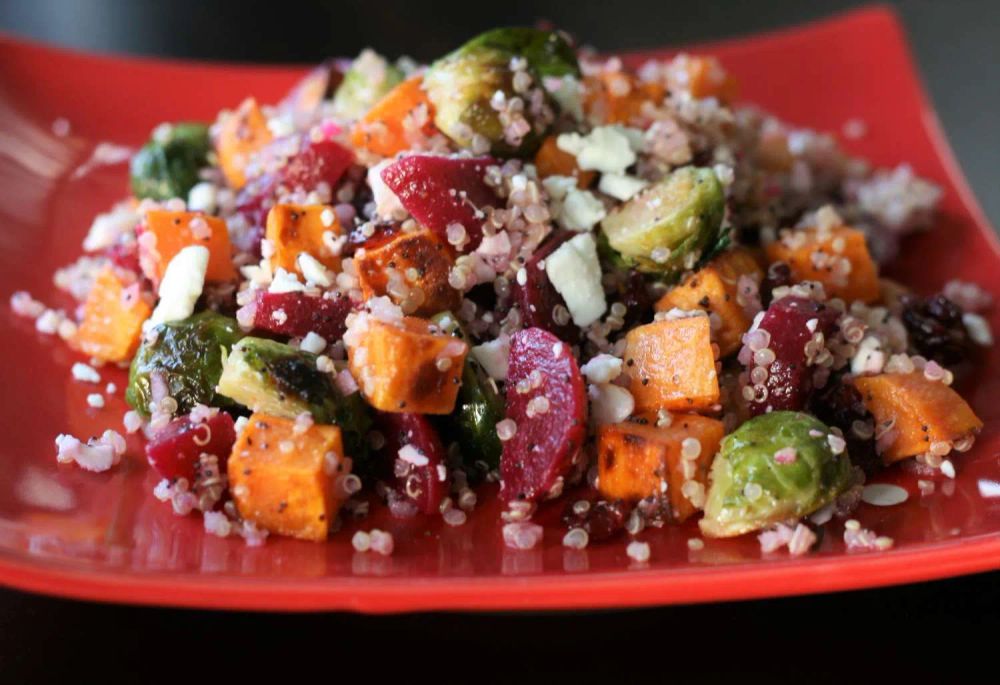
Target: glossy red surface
[{"x": 103, "y": 536}]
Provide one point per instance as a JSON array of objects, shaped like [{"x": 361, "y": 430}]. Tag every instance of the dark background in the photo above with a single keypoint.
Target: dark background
[{"x": 926, "y": 633}]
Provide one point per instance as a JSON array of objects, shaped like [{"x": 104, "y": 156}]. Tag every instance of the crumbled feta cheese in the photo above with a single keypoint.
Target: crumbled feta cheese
[
  {"x": 106, "y": 229},
  {"x": 575, "y": 273},
  {"x": 181, "y": 285},
  {"x": 313, "y": 270},
  {"x": 558, "y": 186},
  {"x": 285, "y": 282},
  {"x": 203, "y": 197},
  {"x": 620, "y": 186},
  {"x": 610, "y": 403},
  {"x": 492, "y": 356},
  {"x": 567, "y": 91},
  {"x": 313, "y": 343},
  {"x": 602, "y": 368},
  {"x": 606, "y": 149},
  {"x": 387, "y": 205},
  {"x": 581, "y": 210}
]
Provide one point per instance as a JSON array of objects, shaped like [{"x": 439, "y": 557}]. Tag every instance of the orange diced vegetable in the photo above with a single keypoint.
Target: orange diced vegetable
[
  {"x": 617, "y": 97},
  {"x": 671, "y": 365},
  {"x": 294, "y": 229},
  {"x": 384, "y": 129},
  {"x": 407, "y": 366},
  {"x": 412, "y": 268},
  {"x": 112, "y": 318},
  {"x": 551, "y": 161},
  {"x": 283, "y": 479},
  {"x": 176, "y": 230},
  {"x": 241, "y": 134},
  {"x": 636, "y": 459},
  {"x": 713, "y": 289},
  {"x": 922, "y": 412},
  {"x": 838, "y": 258},
  {"x": 705, "y": 77}
]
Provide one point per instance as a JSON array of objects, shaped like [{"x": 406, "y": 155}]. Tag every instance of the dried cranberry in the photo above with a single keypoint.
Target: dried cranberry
[
  {"x": 602, "y": 519},
  {"x": 779, "y": 274},
  {"x": 840, "y": 404},
  {"x": 935, "y": 328}
]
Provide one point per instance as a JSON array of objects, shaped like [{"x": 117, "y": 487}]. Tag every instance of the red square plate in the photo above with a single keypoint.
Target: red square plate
[{"x": 67, "y": 532}]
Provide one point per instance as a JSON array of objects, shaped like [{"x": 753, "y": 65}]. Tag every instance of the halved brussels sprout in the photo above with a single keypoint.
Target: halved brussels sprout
[
  {"x": 186, "y": 357},
  {"x": 547, "y": 52},
  {"x": 775, "y": 467},
  {"x": 369, "y": 77},
  {"x": 274, "y": 378},
  {"x": 665, "y": 229},
  {"x": 462, "y": 85},
  {"x": 167, "y": 166}
]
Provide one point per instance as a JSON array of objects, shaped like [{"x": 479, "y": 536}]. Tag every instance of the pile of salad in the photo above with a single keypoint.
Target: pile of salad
[{"x": 612, "y": 291}]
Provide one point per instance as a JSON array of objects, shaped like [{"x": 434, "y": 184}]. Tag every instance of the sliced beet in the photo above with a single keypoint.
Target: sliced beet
[
  {"x": 538, "y": 298},
  {"x": 175, "y": 450},
  {"x": 439, "y": 190},
  {"x": 287, "y": 165},
  {"x": 547, "y": 400},
  {"x": 789, "y": 377},
  {"x": 296, "y": 314},
  {"x": 423, "y": 484}
]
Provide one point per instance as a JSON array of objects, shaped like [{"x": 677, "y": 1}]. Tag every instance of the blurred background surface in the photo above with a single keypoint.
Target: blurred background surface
[{"x": 956, "y": 42}]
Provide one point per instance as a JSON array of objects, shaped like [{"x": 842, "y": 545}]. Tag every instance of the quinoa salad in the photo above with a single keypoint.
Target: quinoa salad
[{"x": 521, "y": 271}]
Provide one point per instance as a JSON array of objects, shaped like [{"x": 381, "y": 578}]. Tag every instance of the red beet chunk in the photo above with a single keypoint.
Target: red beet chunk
[
  {"x": 438, "y": 190},
  {"x": 789, "y": 376},
  {"x": 288, "y": 165},
  {"x": 174, "y": 450},
  {"x": 421, "y": 483},
  {"x": 125, "y": 255},
  {"x": 537, "y": 298},
  {"x": 296, "y": 314},
  {"x": 548, "y": 437}
]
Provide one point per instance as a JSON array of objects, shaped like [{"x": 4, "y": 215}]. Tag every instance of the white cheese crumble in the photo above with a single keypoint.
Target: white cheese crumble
[
  {"x": 581, "y": 210},
  {"x": 387, "y": 205},
  {"x": 313, "y": 270},
  {"x": 285, "y": 282},
  {"x": 181, "y": 285},
  {"x": 621, "y": 186},
  {"x": 203, "y": 197},
  {"x": 606, "y": 149},
  {"x": 313, "y": 343},
  {"x": 602, "y": 368},
  {"x": 610, "y": 403},
  {"x": 575, "y": 273},
  {"x": 492, "y": 356}
]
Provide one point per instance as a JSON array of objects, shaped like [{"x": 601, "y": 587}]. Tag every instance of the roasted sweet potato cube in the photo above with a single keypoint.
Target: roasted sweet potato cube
[
  {"x": 671, "y": 365},
  {"x": 283, "y": 479},
  {"x": 241, "y": 133},
  {"x": 406, "y": 366},
  {"x": 173, "y": 232},
  {"x": 617, "y": 97},
  {"x": 838, "y": 258},
  {"x": 412, "y": 269},
  {"x": 921, "y": 412},
  {"x": 705, "y": 77},
  {"x": 294, "y": 229},
  {"x": 391, "y": 125},
  {"x": 112, "y": 317},
  {"x": 636, "y": 460},
  {"x": 714, "y": 290}
]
